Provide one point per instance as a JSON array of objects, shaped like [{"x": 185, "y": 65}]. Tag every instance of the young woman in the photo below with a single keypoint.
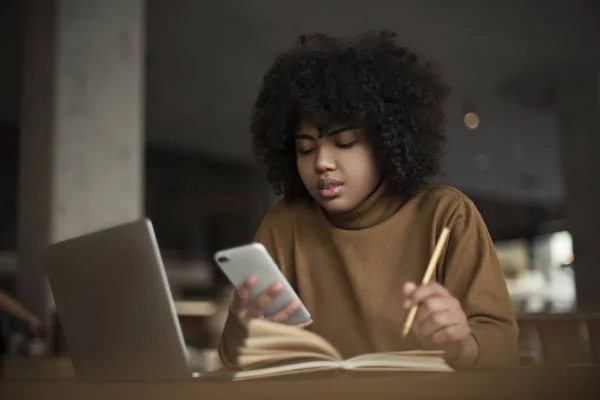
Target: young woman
[{"x": 350, "y": 131}]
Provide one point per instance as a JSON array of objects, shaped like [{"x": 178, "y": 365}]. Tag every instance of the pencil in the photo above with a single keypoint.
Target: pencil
[{"x": 427, "y": 277}]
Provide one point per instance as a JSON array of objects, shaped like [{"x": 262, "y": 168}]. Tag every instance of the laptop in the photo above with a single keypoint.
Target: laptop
[{"x": 115, "y": 306}]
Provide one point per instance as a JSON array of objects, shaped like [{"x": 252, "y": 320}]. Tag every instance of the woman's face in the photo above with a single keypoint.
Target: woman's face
[{"x": 338, "y": 168}]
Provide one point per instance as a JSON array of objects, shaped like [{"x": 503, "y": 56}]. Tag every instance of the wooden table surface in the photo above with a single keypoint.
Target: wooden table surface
[{"x": 524, "y": 383}]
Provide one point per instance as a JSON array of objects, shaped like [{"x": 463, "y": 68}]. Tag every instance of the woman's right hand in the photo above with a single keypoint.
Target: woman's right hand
[{"x": 245, "y": 311}]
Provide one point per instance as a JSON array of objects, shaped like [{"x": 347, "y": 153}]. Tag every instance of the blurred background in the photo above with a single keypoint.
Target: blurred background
[{"x": 112, "y": 110}]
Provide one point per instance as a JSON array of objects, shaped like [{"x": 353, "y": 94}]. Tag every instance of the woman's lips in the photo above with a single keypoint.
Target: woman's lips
[{"x": 330, "y": 191}]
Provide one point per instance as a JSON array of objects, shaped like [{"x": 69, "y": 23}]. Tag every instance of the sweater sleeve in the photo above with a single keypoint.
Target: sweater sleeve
[{"x": 472, "y": 273}]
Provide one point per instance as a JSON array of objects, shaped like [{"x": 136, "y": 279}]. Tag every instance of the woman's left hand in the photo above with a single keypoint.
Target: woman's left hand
[{"x": 441, "y": 323}]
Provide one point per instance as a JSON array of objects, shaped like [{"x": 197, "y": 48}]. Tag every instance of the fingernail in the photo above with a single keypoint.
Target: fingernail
[
  {"x": 296, "y": 305},
  {"x": 277, "y": 286},
  {"x": 252, "y": 280}
]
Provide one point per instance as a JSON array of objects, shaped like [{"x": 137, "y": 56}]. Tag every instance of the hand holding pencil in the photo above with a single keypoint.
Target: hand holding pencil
[
  {"x": 436, "y": 318},
  {"x": 427, "y": 277}
]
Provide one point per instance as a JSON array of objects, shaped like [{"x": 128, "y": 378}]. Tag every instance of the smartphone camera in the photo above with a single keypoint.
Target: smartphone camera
[{"x": 223, "y": 259}]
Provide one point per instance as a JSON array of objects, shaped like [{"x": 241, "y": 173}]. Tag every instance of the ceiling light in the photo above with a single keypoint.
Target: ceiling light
[{"x": 471, "y": 120}]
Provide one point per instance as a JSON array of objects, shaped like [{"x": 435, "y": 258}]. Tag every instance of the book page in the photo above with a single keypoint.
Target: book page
[
  {"x": 257, "y": 361},
  {"x": 276, "y": 348},
  {"x": 438, "y": 354},
  {"x": 286, "y": 369},
  {"x": 278, "y": 343},
  {"x": 264, "y": 335},
  {"x": 409, "y": 360},
  {"x": 261, "y": 327}
]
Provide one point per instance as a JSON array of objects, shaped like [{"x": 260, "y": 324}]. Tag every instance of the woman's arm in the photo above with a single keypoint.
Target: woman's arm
[
  {"x": 14, "y": 307},
  {"x": 467, "y": 313},
  {"x": 472, "y": 274}
]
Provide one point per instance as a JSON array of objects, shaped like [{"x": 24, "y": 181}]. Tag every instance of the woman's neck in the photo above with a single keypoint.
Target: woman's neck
[{"x": 374, "y": 209}]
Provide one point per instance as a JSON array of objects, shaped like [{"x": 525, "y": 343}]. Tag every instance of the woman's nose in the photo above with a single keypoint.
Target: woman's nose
[{"x": 325, "y": 160}]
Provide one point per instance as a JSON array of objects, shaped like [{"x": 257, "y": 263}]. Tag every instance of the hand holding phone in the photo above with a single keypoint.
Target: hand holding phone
[
  {"x": 246, "y": 310},
  {"x": 262, "y": 290}
]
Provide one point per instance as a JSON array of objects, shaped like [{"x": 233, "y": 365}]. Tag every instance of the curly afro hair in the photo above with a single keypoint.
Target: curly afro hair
[{"x": 389, "y": 91}]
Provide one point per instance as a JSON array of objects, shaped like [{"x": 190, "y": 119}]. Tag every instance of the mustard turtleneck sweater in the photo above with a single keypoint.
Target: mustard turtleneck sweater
[{"x": 349, "y": 269}]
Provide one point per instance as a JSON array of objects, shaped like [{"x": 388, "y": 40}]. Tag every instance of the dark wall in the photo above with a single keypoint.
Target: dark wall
[
  {"x": 9, "y": 160},
  {"x": 199, "y": 205},
  {"x": 510, "y": 220},
  {"x": 11, "y": 42}
]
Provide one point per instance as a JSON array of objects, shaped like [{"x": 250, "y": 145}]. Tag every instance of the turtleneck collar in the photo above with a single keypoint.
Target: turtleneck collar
[{"x": 376, "y": 208}]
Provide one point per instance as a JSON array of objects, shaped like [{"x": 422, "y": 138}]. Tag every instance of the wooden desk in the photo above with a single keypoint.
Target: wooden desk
[{"x": 527, "y": 384}]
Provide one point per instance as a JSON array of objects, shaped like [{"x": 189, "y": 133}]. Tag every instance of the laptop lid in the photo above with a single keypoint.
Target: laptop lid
[{"x": 115, "y": 306}]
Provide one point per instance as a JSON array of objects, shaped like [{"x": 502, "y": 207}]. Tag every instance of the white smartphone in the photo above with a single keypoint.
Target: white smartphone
[{"x": 239, "y": 263}]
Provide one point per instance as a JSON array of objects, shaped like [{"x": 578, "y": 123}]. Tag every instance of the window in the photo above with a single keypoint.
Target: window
[{"x": 539, "y": 272}]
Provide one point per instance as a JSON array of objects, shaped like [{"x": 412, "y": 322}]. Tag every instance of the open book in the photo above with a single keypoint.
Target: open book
[{"x": 274, "y": 349}]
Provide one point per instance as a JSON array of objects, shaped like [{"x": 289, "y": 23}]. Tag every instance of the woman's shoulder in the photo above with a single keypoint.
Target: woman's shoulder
[
  {"x": 441, "y": 193},
  {"x": 449, "y": 206},
  {"x": 441, "y": 197}
]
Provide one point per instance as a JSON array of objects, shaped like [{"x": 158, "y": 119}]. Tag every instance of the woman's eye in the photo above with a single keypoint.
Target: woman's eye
[
  {"x": 305, "y": 151},
  {"x": 345, "y": 145}
]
